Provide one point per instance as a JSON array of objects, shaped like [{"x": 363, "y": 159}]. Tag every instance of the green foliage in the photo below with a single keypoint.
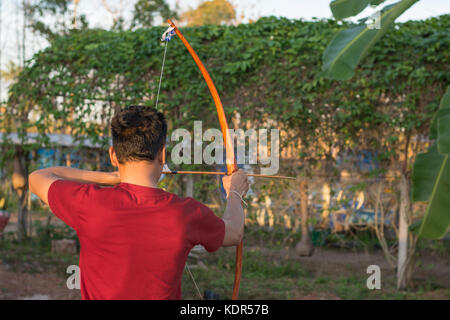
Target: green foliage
[
  {"x": 145, "y": 12},
  {"x": 51, "y": 18},
  {"x": 431, "y": 176},
  {"x": 443, "y": 140},
  {"x": 45, "y": 233},
  {"x": 266, "y": 70},
  {"x": 11, "y": 71},
  {"x": 425, "y": 173},
  {"x": 8, "y": 201},
  {"x": 34, "y": 256}
]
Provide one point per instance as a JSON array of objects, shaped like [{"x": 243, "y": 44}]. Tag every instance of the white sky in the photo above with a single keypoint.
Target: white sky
[
  {"x": 295, "y": 9},
  {"x": 98, "y": 16},
  {"x": 307, "y": 9}
]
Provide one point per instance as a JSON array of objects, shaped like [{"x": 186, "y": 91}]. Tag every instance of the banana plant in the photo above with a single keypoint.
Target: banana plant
[
  {"x": 431, "y": 175},
  {"x": 349, "y": 46},
  {"x": 431, "y": 171}
]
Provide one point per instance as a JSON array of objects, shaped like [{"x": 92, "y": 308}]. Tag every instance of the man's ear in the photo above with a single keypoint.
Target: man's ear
[
  {"x": 162, "y": 156},
  {"x": 113, "y": 157}
]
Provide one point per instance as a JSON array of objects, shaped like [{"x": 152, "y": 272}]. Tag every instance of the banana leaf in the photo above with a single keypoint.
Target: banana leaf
[
  {"x": 348, "y": 47},
  {"x": 431, "y": 178},
  {"x": 342, "y": 9}
]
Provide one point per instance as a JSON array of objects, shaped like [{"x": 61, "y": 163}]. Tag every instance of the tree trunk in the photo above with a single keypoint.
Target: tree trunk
[
  {"x": 75, "y": 13},
  {"x": 20, "y": 185},
  {"x": 326, "y": 199},
  {"x": 305, "y": 247},
  {"x": 68, "y": 159},
  {"x": 189, "y": 185},
  {"x": 404, "y": 261}
]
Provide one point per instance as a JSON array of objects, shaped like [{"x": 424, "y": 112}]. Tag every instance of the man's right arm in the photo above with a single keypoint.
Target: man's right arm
[
  {"x": 41, "y": 180},
  {"x": 234, "y": 216}
]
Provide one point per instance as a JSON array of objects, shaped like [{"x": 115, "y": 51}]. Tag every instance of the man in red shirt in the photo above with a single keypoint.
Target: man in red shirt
[{"x": 135, "y": 238}]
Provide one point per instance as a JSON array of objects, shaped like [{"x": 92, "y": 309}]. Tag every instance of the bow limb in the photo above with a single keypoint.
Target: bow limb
[{"x": 230, "y": 157}]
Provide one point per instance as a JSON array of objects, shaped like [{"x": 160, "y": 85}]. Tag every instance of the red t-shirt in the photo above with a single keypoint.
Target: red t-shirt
[{"x": 134, "y": 240}]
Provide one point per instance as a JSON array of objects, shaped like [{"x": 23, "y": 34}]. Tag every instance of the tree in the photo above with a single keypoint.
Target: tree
[
  {"x": 343, "y": 54},
  {"x": 210, "y": 12},
  {"x": 116, "y": 14},
  {"x": 145, "y": 12},
  {"x": 75, "y": 13},
  {"x": 304, "y": 247},
  {"x": 11, "y": 72},
  {"x": 39, "y": 11}
]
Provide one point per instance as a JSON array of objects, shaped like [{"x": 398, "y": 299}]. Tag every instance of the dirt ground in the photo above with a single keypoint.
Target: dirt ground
[
  {"x": 432, "y": 269},
  {"x": 340, "y": 262},
  {"x": 35, "y": 286},
  {"x": 324, "y": 262}
]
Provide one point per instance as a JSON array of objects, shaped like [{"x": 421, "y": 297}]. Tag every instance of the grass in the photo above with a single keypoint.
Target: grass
[
  {"x": 266, "y": 278},
  {"x": 32, "y": 257}
]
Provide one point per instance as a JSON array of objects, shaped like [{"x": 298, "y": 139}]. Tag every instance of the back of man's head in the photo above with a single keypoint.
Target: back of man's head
[{"x": 138, "y": 133}]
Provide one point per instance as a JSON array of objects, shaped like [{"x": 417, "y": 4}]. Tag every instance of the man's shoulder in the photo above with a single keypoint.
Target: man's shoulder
[
  {"x": 61, "y": 185},
  {"x": 191, "y": 203}
]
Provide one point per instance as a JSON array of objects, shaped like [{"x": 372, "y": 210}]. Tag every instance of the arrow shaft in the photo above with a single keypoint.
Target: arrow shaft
[{"x": 224, "y": 173}]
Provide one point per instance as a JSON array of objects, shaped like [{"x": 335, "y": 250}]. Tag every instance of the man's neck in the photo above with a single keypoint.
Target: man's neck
[{"x": 142, "y": 173}]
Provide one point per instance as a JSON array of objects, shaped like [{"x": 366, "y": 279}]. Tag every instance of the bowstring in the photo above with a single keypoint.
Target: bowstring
[
  {"x": 156, "y": 107},
  {"x": 193, "y": 280},
  {"x": 162, "y": 71}
]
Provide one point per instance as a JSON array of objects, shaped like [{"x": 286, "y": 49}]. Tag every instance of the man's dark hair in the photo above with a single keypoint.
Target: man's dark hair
[{"x": 138, "y": 133}]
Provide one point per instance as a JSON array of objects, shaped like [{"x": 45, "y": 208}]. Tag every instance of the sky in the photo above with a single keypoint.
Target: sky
[
  {"x": 98, "y": 16},
  {"x": 307, "y": 9},
  {"x": 294, "y": 9}
]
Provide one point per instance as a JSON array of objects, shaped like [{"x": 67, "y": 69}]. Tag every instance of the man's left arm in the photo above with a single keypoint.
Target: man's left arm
[{"x": 41, "y": 180}]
